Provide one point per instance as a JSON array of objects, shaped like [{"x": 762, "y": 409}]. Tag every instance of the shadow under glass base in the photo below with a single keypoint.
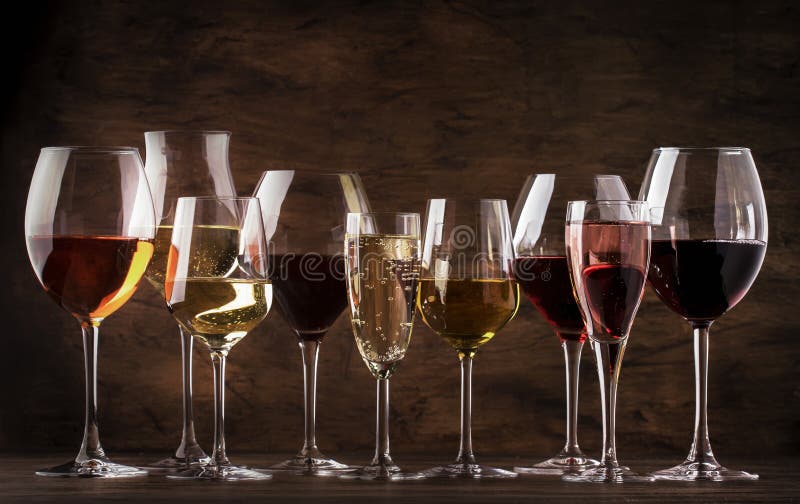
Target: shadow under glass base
[
  {"x": 380, "y": 473},
  {"x": 172, "y": 464},
  {"x": 220, "y": 473},
  {"x": 702, "y": 471},
  {"x": 318, "y": 464},
  {"x": 92, "y": 468},
  {"x": 558, "y": 465},
  {"x": 469, "y": 471},
  {"x": 607, "y": 474}
]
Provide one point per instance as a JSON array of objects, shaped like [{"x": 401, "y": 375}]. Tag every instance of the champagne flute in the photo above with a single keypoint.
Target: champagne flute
[
  {"x": 183, "y": 163},
  {"x": 304, "y": 214},
  {"x": 709, "y": 223},
  {"x": 217, "y": 288},
  {"x": 540, "y": 269},
  {"x": 89, "y": 229},
  {"x": 608, "y": 247},
  {"x": 466, "y": 295},
  {"x": 382, "y": 251}
]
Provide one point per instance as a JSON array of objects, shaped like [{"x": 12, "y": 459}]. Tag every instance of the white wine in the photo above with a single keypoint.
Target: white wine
[
  {"x": 157, "y": 269},
  {"x": 382, "y": 274},
  {"x": 220, "y": 311}
]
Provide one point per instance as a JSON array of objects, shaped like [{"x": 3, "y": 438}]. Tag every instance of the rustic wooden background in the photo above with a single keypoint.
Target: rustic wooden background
[{"x": 424, "y": 99}]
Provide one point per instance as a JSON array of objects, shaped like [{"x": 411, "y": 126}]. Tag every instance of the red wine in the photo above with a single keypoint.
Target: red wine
[
  {"x": 89, "y": 276},
  {"x": 702, "y": 279},
  {"x": 613, "y": 293},
  {"x": 310, "y": 291},
  {"x": 545, "y": 280}
]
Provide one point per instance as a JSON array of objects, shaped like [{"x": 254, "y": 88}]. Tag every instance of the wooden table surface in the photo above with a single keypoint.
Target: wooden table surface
[{"x": 779, "y": 483}]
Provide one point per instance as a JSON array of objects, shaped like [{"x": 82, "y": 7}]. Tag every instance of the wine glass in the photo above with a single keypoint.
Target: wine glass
[
  {"x": 540, "y": 269},
  {"x": 217, "y": 288},
  {"x": 304, "y": 214},
  {"x": 382, "y": 251},
  {"x": 466, "y": 294},
  {"x": 608, "y": 250},
  {"x": 89, "y": 229},
  {"x": 709, "y": 224},
  {"x": 183, "y": 163}
]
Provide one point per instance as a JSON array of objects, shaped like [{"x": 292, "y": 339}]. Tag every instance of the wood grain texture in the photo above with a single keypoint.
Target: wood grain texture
[{"x": 424, "y": 99}]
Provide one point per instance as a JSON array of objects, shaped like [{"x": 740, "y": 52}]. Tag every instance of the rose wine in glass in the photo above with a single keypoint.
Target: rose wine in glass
[
  {"x": 89, "y": 229},
  {"x": 304, "y": 215},
  {"x": 709, "y": 223},
  {"x": 608, "y": 246},
  {"x": 542, "y": 272}
]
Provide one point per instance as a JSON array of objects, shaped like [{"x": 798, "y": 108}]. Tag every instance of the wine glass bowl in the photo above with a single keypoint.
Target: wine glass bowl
[
  {"x": 541, "y": 270},
  {"x": 709, "y": 222},
  {"x": 89, "y": 229}
]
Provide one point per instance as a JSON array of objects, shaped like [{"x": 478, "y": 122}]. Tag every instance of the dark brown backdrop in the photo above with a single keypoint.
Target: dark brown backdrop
[{"x": 423, "y": 98}]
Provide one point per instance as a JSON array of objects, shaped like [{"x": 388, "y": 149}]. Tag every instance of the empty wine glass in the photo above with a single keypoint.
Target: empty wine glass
[
  {"x": 304, "y": 214},
  {"x": 608, "y": 248},
  {"x": 540, "y": 269},
  {"x": 89, "y": 229},
  {"x": 183, "y": 163},
  {"x": 382, "y": 252},
  {"x": 217, "y": 288},
  {"x": 709, "y": 223}
]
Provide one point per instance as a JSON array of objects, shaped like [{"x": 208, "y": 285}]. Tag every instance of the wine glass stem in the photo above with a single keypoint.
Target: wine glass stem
[
  {"x": 310, "y": 351},
  {"x": 188, "y": 439},
  {"x": 701, "y": 446},
  {"x": 465, "y": 455},
  {"x": 90, "y": 447},
  {"x": 572, "y": 364},
  {"x": 382, "y": 457},
  {"x": 219, "y": 457},
  {"x": 609, "y": 359}
]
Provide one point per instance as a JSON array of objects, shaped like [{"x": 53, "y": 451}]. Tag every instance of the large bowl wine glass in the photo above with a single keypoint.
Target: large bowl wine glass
[
  {"x": 709, "y": 225},
  {"x": 89, "y": 229},
  {"x": 304, "y": 214}
]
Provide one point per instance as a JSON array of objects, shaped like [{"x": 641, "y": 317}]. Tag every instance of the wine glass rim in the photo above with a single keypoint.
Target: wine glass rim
[
  {"x": 190, "y": 132},
  {"x": 466, "y": 200},
  {"x": 218, "y": 198},
  {"x": 100, "y": 149},
  {"x": 607, "y": 202},
  {"x": 576, "y": 175},
  {"x": 312, "y": 172},
  {"x": 399, "y": 214},
  {"x": 701, "y": 149}
]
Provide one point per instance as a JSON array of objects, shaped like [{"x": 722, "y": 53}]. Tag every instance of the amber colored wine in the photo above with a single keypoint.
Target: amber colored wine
[
  {"x": 467, "y": 312},
  {"x": 382, "y": 282},
  {"x": 220, "y": 311},
  {"x": 89, "y": 276}
]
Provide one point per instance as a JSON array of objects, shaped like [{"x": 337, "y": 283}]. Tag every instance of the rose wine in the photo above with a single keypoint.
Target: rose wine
[
  {"x": 219, "y": 311},
  {"x": 545, "y": 281},
  {"x": 382, "y": 282},
  {"x": 702, "y": 279},
  {"x": 613, "y": 293},
  {"x": 89, "y": 276},
  {"x": 467, "y": 312},
  {"x": 310, "y": 291}
]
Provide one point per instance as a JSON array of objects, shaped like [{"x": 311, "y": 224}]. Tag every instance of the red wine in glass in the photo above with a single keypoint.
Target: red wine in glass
[{"x": 613, "y": 292}]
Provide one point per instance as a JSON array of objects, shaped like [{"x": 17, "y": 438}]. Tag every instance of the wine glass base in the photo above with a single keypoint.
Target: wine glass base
[
  {"x": 468, "y": 471},
  {"x": 702, "y": 471},
  {"x": 312, "y": 466},
  {"x": 558, "y": 465},
  {"x": 220, "y": 473},
  {"x": 93, "y": 468},
  {"x": 173, "y": 464},
  {"x": 381, "y": 473},
  {"x": 607, "y": 474}
]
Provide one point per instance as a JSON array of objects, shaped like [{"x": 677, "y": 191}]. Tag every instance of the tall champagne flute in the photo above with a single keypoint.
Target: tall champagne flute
[
  {"x": 304, "y": 214},
  {"x": 608, "y": 248},
  {"x": 709, "y": 223},
  {"x": 217, "y": 288},
  {"x": 183, "y": 163},
  {"x": 466, "y": 295},
  {"x": 89, "y": 229},
  {"x": 382, "y": 251},
  {"x": 541, "y": 270}
]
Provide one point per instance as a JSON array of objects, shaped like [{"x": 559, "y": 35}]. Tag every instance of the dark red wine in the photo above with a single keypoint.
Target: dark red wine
[
  {"x": 310, "y": 291},
  {"x": 89, "y": 276},
  {"x": 545, "y": 280},
  {"x": 702, "y": 279},
  {"x": 613, "y": 293}
]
